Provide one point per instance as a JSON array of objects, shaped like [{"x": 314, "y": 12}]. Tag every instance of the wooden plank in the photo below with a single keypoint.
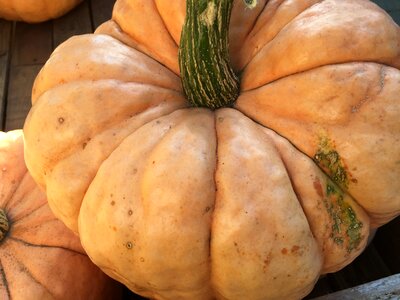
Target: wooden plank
[
  {"x": 388, "y": 4},
  {"x": 32, "y": 43},
  {"x": 32, "y": 47},
  {"x": 392, "y": 7},
  {"x": 129, "y": 295},
  {"x": 322, "y": 287},
  {"x": 383, "y": 289},
  {"x": 5, "y": 45},
  {"x": 75, "y": 22},
  {"x": 395, "y": 14},
  {"x": 387, "y": 243},
  {"x": 101, "y": 11},
  {"x": 19, "y": 95},
  {"x": 367, "y": 267}
]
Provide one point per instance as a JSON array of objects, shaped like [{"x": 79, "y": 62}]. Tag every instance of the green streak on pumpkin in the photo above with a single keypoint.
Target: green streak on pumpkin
[
  {"x": 346, "y": 228},
  {"x": 4, "y": 226},
  {"x": 208, "y": 79},
  {"x": 250, "y": 3},
  {"x": 330, "y": 161}
]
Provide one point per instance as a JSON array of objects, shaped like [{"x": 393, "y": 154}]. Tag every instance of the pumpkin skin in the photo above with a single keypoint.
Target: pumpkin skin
[
  {"x": 40, "y": 258},
  {"x": 249, "y": 202},
  {"x": 34, "y": 11}
]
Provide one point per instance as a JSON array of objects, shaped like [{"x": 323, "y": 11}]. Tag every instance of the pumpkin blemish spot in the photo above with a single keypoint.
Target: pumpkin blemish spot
[
  {"x": 346, "y": 228},
  {"x": 129, "y": 245},
  {"x": 112, "y": 203},
  {"x": 142, "y": 259},
  {"x": 330, "y": 161},
  {"x": 267, "y": 261},
  {"x": 61, "y": 120},
  {"x": 237, "y": 248},
  {"x": 130, "y": 212},
  {"x": 318, "y": 187},
  {"x": 250, "y": 3},
  {"x": 294, "y": 249},
  {"x": 284, "y": 251}
]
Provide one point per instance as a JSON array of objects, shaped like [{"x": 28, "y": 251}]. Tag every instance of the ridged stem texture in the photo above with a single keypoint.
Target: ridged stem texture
[
  {"x": 4, "y": 226},
  {"x": 207, "y": 77}
]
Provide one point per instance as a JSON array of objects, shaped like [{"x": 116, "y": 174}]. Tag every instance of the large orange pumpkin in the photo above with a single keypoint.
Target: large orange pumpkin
[
  {"x": 251, "y": 201},
  {"x": 33, "y": 11},
  {"x": 39, "y": 257}
]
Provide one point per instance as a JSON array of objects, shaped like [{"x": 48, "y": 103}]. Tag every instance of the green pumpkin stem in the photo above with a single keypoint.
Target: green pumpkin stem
[
  {"x": 207, "y": 77},
  {"x": 4, "y": 226}
]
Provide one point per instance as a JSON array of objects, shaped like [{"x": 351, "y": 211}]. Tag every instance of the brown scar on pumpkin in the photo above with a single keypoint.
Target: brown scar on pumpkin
[
  {"x": 267, "y": 261},
  {"x": 294, "y": 249},
  {"x": 368, "y": 95},
  {"x": 318, "y": 187}
]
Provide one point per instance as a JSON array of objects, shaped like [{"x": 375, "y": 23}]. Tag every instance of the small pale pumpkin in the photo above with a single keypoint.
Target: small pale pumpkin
[
  {"x": 251, "y": 201},
  {"x": 33, "y": 11},
  {"x": 40, "y": 258}
]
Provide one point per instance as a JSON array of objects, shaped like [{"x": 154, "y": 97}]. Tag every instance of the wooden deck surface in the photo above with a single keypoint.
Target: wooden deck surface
[{"x": 24, "y": 48}]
